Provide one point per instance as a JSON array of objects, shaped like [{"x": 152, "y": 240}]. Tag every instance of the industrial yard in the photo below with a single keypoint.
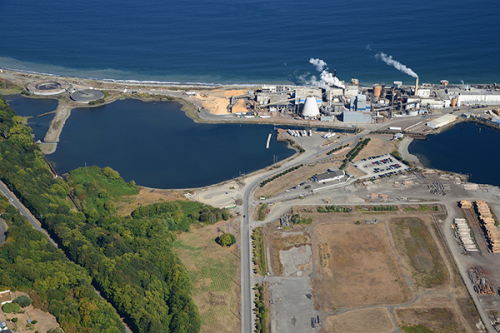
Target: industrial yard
[{"x": 368, "y": 270}]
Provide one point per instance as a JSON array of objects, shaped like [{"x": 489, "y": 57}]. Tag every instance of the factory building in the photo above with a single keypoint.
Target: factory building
[
  {"x": 442, "y": 121},
  {"x": 358, "y": 103},
  {"x": 351, "y": 90},
  {"x": 477, "y": 98},
  {"x": 356, "y": 117}
]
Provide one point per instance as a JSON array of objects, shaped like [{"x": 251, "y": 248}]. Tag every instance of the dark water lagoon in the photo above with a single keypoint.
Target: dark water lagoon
[
  {"x": 466, "y": 148},
  {"x": 28, "y": 107},
  {"x": 157, "y": 145}
]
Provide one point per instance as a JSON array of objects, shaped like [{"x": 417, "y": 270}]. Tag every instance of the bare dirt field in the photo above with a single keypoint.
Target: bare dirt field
[
  {"x": 376, "y": 320},
  {"x": 45, "y": 320},
  {"x": 214, "y": 271},
  {"x": 361, "y": 270},
  {"x": 375, "y": 147},
  {"x": 145, "y": 197},
  {"x": 399, "y": 269}
]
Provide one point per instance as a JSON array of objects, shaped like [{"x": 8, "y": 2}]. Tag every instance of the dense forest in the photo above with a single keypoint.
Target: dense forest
[
  {"x": 129, "y": 258},
  {"x": 30, "y": 263}
]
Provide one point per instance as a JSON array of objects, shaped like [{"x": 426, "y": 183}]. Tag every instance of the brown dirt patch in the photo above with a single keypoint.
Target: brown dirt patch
[
  {"x": 469, "y": 311},
  {"x": 362, "y": 269},
  {"x": 375, "y": 320},
  {"x": 229, "y": 93},
  {"x": 375, "y": 147},
  {"x": 216, "y": 105},
  {"x": 437, "y": 319},
  {"x": 354, "y": 171},
  {"x": 45, "y": 321},
  {"x": 146, "y": 196},
  {"x": 214, "y": 271}
]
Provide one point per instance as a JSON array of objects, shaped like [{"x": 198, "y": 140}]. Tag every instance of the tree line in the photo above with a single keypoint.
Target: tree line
[
  {"x": 268, "y": 180},
  {"x": 354, "y": 152}
]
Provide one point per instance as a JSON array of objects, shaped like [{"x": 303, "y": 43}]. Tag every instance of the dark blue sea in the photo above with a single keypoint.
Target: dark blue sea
[{"x": 222, "y": 41}]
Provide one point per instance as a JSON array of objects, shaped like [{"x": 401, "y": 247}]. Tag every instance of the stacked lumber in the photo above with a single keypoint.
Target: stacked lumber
[
  {"x": 489, "y": 224},
  {"x": 465, "y": 204},
  {"x": 463, "y": 232}
]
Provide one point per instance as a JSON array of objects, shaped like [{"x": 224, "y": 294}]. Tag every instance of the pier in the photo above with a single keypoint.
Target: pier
[{"x": 268, "y": 140}]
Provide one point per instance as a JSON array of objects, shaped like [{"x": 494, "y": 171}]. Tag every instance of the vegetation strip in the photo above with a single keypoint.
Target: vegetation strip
[
  {"x": 354, "y": 152},
  {"x": 280, "y": 174},
  {"x": 260, "y": 309},
  {"x": 259, "y": 251},
  {"x": 336, "y": 149}
]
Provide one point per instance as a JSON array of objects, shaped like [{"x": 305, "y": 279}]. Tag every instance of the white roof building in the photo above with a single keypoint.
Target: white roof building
[{"x": 441, "y": 121}]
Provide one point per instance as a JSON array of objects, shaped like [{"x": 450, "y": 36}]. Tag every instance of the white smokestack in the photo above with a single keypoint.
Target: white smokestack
[{"x": 396, "y": 64}]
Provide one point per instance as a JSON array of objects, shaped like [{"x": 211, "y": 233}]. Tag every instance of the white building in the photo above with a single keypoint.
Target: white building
[
  {"x": 441, "y": 121},
  {"x": 329, "y": 176}
]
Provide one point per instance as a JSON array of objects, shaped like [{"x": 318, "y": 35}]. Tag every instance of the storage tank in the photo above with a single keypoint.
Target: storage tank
[
  {"x": 412, "y": 112},
  {"x": 310, "y": 108},
  {"x": 444, "y": 82},
  {"x": 355, "y": 81},
  {"x": 453, "y": 102},
  {"x": 376, "y": 90}
]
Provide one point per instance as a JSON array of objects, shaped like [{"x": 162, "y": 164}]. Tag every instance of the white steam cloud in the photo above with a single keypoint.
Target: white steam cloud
[
  {"x": 326, "y": 78},
  {"x": 396, "y": 64},
  {"x": 318, "y": 63}
]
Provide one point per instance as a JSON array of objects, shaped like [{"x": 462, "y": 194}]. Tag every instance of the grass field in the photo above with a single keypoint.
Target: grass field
[
  {"x": 428, "y": 320},
  {"x": 215, "y": 276},
  {"x": 414, "y": 241}
]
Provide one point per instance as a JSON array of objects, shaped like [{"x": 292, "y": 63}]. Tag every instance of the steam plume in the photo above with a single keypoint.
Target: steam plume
[
  {"x": 320, "y": 64},
  {"x": 326, "y": 77},
  {"x": 396, "y": 64}
]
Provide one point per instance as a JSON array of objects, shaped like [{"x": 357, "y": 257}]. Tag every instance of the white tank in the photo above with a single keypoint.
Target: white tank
[{"x": 310, "y": 108}]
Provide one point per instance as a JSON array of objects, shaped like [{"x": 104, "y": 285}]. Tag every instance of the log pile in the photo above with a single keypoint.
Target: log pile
[
  {"x": 489, "y": 225},
  {"x": 465, "y": 204},
  {"x": 481, "y": 284}
]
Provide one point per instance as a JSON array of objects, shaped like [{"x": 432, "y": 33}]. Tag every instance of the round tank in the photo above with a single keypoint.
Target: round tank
[
  {"x": 355, "y": 81},
  {"x": 444, "y": 82},
  {"x": 376, "y": 90},
  {"x": 453, "y": 102},
  {"x": 310, "y": 108},
  {"x": 412, "y": 112}
]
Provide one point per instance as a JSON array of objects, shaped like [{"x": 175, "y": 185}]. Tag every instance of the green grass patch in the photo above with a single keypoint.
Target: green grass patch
[
  {"x": 409, "y": 209},
  {"x": 98, "y": 188},
  {"x": 425, "y": 208},
  {"x": 417, "y": 329},
  {"x": 413, "y": 237},
  {"x": 259, "y": 251},
  {"x": 261, "y": 213}
]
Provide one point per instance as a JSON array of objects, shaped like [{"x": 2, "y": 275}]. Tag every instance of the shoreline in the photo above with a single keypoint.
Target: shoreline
[{"x": 405, "y": 153}]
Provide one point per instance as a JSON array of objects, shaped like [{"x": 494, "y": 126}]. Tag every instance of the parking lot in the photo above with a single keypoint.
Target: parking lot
[{"x": 381, "y": 166}]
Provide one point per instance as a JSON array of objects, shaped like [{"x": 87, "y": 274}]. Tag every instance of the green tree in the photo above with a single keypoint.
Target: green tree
[
  {"x": 110, "y": 173},
  {"x": 226, "y": 239},
  {"x": 23, "y": 301},
  {"x": 110, "y": 206},
  {"x": 11, "y": 307}
]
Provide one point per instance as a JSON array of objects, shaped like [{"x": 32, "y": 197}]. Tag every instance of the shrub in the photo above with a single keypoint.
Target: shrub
[
  {"x": 11, "y": 307},
  {"x": 23, "y": 301},
  {"x": 15, "y": 320},
  {"x": 110, "y": 173}
]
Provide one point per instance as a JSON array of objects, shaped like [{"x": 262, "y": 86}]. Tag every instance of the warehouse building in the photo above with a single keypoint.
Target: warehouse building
[
  {"x": 356, "y": 117},
  {"x": 331, "y": 175},
  {"x": 441, "y": 121}
]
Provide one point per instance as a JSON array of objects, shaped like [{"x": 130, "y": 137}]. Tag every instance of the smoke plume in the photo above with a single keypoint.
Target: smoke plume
[
  {"x": 396, "y": 64},
  {"x": 318, "y": 63},
  {"x": 326, "y": 78}
]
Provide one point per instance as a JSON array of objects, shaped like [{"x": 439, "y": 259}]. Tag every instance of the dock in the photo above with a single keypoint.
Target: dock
[{"x": 268, "y": 140}]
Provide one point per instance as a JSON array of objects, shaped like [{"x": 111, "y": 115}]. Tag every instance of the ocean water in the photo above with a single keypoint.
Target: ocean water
[{"x": 252, "y": 41}]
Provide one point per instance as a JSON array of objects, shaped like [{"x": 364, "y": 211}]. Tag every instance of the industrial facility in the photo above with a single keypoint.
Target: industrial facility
[
  {"x": 442, "y": 121},
  {"x": 356, "y": 104}
]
